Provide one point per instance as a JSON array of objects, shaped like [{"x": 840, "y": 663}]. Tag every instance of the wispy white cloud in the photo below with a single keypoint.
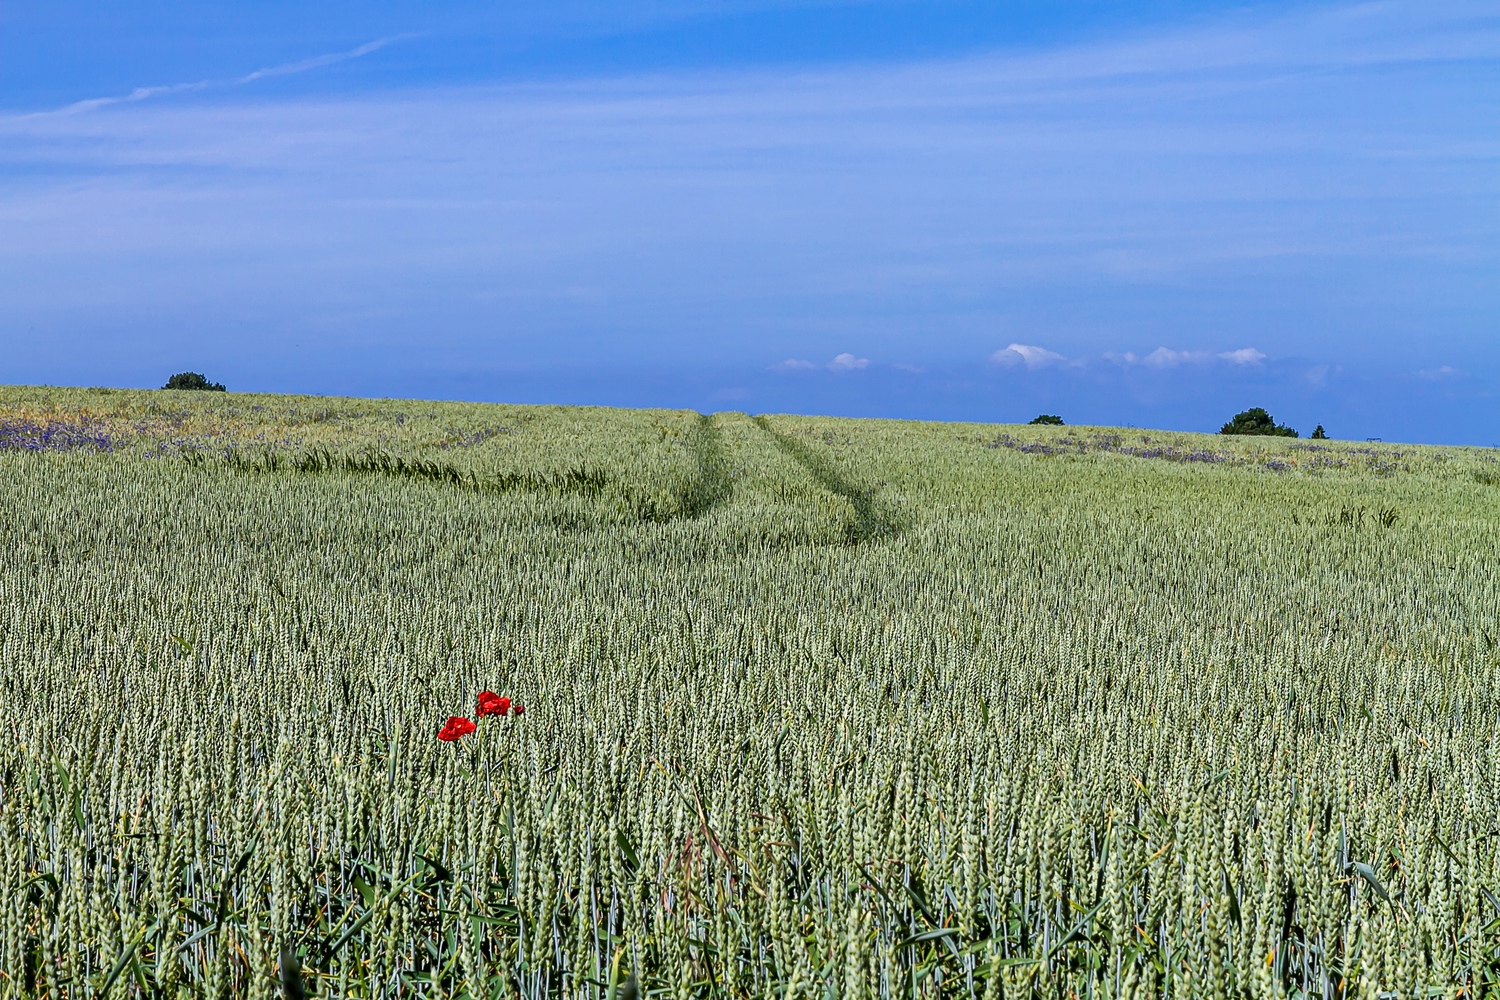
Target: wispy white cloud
[
  {"x": 1244, "y": 356},
  {"x": 1027, "y": 354},
  {"x": 285, "y": 69},
  {"x": 847, "y": 363},
  {"x": 1439, "y": 373},
  {"x": 1165, "y": 357}
]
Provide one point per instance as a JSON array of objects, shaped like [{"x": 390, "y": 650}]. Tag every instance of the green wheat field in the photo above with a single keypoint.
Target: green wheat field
[{"x": 815, "y": 708}]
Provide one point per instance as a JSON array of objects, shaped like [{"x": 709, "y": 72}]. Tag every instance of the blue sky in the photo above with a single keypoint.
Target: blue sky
[{"x": 1152, "y": 214}]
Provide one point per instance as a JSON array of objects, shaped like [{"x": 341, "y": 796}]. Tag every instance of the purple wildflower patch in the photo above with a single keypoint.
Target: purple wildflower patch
[
  {"x": 1106, "y": 444},
  {"x": 22, "y": 434}
]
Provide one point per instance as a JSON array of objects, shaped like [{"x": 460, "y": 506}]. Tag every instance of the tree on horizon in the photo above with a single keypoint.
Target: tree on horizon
[
  {"x": 1256, "y": 421},
  {"x": 193, "y": 380}
]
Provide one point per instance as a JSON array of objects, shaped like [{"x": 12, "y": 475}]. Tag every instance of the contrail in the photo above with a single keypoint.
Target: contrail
[{"x": 285, "y": 69}]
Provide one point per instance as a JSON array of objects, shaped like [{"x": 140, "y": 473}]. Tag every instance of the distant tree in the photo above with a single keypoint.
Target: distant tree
[
  {"x": 1048, "y": 418},
  {"x": 1256, "y": 421},
  {"x": 192, "y": 380},
  {"x": 1319, "y": 434}
]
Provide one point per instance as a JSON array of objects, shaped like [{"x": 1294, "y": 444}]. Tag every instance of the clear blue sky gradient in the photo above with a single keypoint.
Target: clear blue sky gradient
[{"x": 1172, "y": 210}]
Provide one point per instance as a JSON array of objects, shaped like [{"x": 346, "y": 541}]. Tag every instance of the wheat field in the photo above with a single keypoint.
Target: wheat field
[{"x": 814, "y": 707}]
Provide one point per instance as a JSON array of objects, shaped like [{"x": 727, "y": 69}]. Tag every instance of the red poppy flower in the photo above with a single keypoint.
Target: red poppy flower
[
  {"x": 456, "y": 726},
  {"x": 519, "y": 710},
  {"x": 491, "y": 703}
]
